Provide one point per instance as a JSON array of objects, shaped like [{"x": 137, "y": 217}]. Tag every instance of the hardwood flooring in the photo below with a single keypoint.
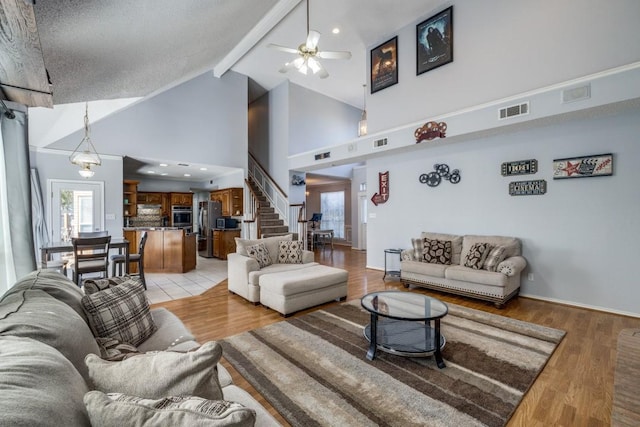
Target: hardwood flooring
[{"x": 574, "y": 389}]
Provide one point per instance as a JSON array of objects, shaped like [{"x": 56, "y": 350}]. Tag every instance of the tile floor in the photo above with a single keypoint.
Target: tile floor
[{"x": 165, "y": 287}]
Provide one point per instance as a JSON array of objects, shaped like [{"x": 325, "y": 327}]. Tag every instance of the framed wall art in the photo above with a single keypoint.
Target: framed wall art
[
  {"x": 585, "y": 166},
  {"x": 434, "y": 41},
  {"x": 384, "y": 65}
]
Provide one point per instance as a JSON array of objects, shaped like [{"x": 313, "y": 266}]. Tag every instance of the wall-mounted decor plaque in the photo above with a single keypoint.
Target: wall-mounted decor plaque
[
  {"x": 582, "y": 167},
  {"x": 528, "y": 188},
  {"x": 430, "y": 130},
  {"x": 520, "y": 167},
  {"x": 383, "y": 187}
]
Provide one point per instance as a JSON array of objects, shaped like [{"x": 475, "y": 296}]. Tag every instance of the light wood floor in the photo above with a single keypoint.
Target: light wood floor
[{"x": 574, "y": 389}]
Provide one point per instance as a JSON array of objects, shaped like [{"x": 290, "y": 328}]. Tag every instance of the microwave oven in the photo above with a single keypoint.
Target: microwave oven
[{"x": 226, "y": 223}]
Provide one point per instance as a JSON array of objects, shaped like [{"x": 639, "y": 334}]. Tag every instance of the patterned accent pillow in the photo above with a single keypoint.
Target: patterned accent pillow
[
  {"x": 112, "y": 349},
  {"x": 117, "y": 409},
  {"x": 436, "y": 251},
  {"x": 496, "y": 256},
  {"x": 406, "y": 255},
  {"x": 91, "y": 286},
  {"x": 260, "y": 253},
  {"x": 290, "y": 252},
  {"x": 121, "y": 312},
  {"x": 477, "y": 255},
  {"x": 418, "y": 247},
  {"x": 158, "y": 374}
]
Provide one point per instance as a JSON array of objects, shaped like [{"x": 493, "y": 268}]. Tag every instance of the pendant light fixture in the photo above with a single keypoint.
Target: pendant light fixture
[
  {"x": 85, "y": 154},
  {"x": 362, "y": 124}
]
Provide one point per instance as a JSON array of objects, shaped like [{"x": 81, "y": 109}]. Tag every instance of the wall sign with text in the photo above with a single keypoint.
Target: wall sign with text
[
  {"x": 528, "y": 188},
  {"x": 585, "y": 166},
  {"x": 520, "y": 167},
  {"x": 383, "y": 190}
]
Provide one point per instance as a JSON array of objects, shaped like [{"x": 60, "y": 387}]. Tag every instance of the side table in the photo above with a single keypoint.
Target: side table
[{"x": 387, "y": 272}]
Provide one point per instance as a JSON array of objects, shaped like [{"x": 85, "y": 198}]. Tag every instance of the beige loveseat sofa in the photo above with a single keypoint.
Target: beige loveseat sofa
[
  {"x": 498, "y": 283},
  {"x": 284, "y": 282},
  {"x": 48, "y": 351}
]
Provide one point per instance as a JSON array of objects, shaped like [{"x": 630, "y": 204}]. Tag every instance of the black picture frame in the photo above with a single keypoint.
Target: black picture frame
[
  {"x": 384, "y": 65},
  {"x": 434, "y": 41}
]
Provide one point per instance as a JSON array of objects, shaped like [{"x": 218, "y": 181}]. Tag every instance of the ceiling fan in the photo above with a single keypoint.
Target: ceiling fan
[{"x": 309, "y": 54}]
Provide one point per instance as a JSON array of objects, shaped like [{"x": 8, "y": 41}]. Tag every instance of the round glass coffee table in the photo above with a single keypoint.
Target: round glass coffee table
[{"x": 401, "y": 324}]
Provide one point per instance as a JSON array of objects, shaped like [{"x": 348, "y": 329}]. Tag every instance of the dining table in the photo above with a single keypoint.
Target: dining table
[{"x": 46, "y": 250}]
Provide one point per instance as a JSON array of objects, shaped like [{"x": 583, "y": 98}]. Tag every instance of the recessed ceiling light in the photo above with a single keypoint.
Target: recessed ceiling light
[
  {"x": 187, "y": 174},
  {"x": 151, "y": 172},
  {"x": 164, "y": 174},
  {"x": 203, "y": 169},
  {"x": 164, "y": 165},
  {"x": 336, "y": 30}
]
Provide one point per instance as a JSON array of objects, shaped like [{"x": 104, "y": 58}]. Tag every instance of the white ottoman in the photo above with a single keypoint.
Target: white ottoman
[{"x": 292, "y": 291}]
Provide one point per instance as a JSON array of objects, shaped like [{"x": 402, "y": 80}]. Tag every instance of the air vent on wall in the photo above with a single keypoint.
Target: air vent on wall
[
  {"x": 323, "y": 155},
  {"x": 514, "y": 111},
  {"x": 576, "y": 94},
  {"x": 379, "y": 143}
]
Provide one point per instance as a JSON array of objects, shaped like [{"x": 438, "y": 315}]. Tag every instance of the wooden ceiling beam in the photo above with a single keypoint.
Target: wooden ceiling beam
[{"x": 23, "y": 76}]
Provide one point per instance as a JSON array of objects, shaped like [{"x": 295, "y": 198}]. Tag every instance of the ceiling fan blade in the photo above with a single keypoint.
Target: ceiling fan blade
[
  {"x": 282, "y": 48},
  {"x": 322, "y": 72},
  {"x": 328, "y": 54},
  {"x": 293, "y": 65},
  {"x": 312, "y": 39}
]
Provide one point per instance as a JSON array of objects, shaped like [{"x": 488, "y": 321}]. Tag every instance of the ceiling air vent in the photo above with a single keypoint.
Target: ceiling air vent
[
  {"x": 514, "y": 111},
  {"x": 323, "y": 155},
  {"x": 379, "y": 143}
]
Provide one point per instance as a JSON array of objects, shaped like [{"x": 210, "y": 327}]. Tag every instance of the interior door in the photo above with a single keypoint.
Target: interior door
[{"x": 75, "y": 206}]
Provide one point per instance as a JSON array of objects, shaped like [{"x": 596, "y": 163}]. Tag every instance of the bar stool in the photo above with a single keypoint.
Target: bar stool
[{"x": 120, "y": 260}]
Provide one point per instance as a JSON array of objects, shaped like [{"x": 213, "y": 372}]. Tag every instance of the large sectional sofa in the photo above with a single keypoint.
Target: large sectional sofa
[
  {"x": 277, "y": 273},
  {"x": 491, "y": 278},
  {"x": 50, "y": 362}
]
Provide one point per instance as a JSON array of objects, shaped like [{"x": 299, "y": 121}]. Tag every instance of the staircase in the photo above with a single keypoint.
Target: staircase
[{"x": 269, "y": 221}]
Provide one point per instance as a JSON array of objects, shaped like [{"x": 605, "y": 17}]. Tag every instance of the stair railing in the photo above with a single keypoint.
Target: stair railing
[
  {"x": 252, "y": 212},
  {"x": 276, "y": 196},
  {"x": 298, "y": 211}
]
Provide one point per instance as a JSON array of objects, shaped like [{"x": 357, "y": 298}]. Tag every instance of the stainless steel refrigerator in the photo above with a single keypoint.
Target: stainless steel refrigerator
[{"x": 208, "y": 212}]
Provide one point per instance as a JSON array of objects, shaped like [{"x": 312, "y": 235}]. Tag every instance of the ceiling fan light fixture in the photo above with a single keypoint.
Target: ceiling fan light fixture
[{"x": 314, "y": 65}]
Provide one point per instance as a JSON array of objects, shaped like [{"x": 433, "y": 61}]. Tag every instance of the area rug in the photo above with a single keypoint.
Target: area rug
[
  {"x": 313, "y": 370},
  {"x": 626, "y": 388}
]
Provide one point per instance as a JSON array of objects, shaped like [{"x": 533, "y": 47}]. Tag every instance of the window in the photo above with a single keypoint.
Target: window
[{"x": 332, "y": 208}]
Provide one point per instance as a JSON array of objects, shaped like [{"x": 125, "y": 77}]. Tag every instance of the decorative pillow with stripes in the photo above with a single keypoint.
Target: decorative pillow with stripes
[
  {"x": 418, "y": 247},
  {"x": 495, "y": 257},
  {"x": 121, "y": 312},
  {"x": 260, "y": 253},
  {"x": 290, "y": 252}
]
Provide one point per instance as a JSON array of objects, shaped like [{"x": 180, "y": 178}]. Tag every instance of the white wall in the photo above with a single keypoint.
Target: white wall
[
  {"x": 579, "y": 239},
  {"x": 502, "y": 48},
  {"x": 359, "y": 176},
  {"x": 52, "y": 165}
]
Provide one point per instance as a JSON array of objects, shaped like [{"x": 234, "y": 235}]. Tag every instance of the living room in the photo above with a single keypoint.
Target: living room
[{"x": 578, "y": 237}]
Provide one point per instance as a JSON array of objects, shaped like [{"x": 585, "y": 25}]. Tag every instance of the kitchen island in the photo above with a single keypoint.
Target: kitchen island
[{"x": 168, "y": 249}]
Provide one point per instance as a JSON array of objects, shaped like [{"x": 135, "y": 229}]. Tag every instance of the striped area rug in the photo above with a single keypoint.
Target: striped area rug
[{"x": 313, "y": 370}]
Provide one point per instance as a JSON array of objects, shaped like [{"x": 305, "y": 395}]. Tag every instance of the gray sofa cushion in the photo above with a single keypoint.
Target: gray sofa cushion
[
  {"x": 35, "y": 314},
  {"x": 434, "y": 270},
  {"x": 55, "y": 284},
  {"x": 171, "y": 332},
  {"x": 39, "y": 386},
  {"x": 456, "y": 243},
  {"x": 254, "y": 276},
  {"x": 466, "y": 274}
]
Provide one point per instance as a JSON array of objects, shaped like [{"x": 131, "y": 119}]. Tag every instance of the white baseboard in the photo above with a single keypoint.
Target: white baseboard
[{"x": 579, "y": 305}]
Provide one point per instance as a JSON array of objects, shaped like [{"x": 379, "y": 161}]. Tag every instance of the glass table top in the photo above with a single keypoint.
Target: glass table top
[{"x": 404, "y": 305}]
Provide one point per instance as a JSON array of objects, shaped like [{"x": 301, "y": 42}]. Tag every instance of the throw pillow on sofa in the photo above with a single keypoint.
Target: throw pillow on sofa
[
  {"x": 260, "y": 253},
  {"x": 270, "y": 242},
  {"x": 496, "y": 256},
  {"x": 117, "y": 409},
  {"x": 477, "y": 255},
  {"x": 91, "y": 286},
  {"x": 418, "y": 248},
  {"x": 155, "y": 375},
  {"x": 290, "y": 252},
  {"x": 436, "y": 251},
  {"x": 121, "y": 312}
]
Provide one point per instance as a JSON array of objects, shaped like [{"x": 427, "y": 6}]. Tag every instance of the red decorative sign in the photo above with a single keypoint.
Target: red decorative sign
[
  {"x": 383, "y": 183},
  {"x": 430, "y": 130}
]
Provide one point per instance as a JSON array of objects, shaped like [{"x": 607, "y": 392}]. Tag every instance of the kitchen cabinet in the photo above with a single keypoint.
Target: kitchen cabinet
[
  {"x": 182, "y": 199},
  {"x": 150, "y": 198},
  {"x": 231, "y": 200},
  {"x": 166, "y": 250},
  {"x": 165, "y": 204},
  {"x": 129, "y": 198},
  {"x": 224, "y": 242}
]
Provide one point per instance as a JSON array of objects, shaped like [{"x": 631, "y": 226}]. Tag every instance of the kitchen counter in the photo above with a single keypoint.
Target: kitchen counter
[{"x": 168, "y": 249}]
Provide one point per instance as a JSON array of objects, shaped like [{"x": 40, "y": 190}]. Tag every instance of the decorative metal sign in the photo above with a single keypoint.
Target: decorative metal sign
[
  {"x": 433, "y": 179},
  {"x": 383, "y": 185},
  {"x": 581, "y": 167},
  {"x": 528, "y": 188},
  {"x": 430, "y": 130},
  {"x": 520, "y": 167}
]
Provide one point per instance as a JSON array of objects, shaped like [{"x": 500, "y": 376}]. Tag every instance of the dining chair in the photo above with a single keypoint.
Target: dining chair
[
  {"x": 120, "y": 259},
  {"x": 90, "y": 255},
  {"x": 103, "y": 233}
]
